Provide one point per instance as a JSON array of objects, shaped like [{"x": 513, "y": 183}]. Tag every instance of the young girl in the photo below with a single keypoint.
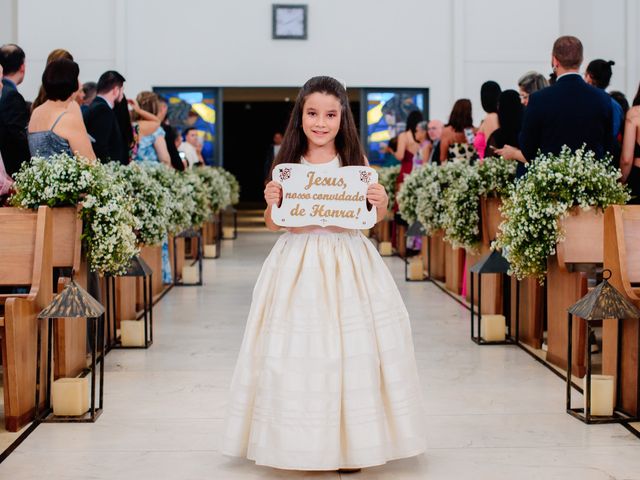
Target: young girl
[{"x": 326, "y": 378}]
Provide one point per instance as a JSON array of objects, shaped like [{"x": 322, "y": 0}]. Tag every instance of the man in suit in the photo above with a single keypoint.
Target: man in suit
[
  {"x": 570, "y": 112},
  {"x": 14, "y": 112},
  {"x": 101, "y": 121}
]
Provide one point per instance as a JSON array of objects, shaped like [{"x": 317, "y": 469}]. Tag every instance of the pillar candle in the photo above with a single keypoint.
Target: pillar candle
[
  {"x": 132, "y": 333},
  {"x": 385, "y": 249},
  {"x": 210, "y": 251},
  {"x": 227, "y": 232},
  {"x": 602, "y": 393},
  {"x": 190, "y": 273},
  {"x": 70, "y": 396},
  {"x": 416, "y": 271},
  {"x": 493, "y": 328}
]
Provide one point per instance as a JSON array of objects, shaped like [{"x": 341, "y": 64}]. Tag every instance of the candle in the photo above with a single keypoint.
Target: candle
[
  {"x": 602, "y": 393},
  {"x": 493, "y": 328},
  {"x": 227, "y": 232},
  {"x": 132, "y": 333},
  {"x": 70, "y": 396},
  {"x": 385, "y": 249},
  {"x": 190, "y": 273},
  {"x": 416, "y": 270},
  {"x": 210, "y": 251}
]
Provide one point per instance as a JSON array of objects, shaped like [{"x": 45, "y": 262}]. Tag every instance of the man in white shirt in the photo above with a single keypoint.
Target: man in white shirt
[{"x": 191, "y": 147}]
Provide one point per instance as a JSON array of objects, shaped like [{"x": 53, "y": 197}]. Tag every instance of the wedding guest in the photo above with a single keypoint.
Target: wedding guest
[
  {"x": 504, "y": 141},
  {"x": 630, "y": 158},
  {"x": 5, "y": 180},
  {"x": 435, "y": 129},
  {"x": 389, "y": 153},
  {"x": 599, "y": 74},
  {"x": 190, "y": 147},
  {"x": 170, "y": 135},
  {"x": 424, "y": 150},
  {"x": 101, "y": 121},
  {"x": 458, "y": 136},
  {"x": 489, "y": 93},
  {"x": 56, "y": 126},
  {"x": 571, "y": 112},
  {"x": 407, "y": 147},
  {"x": 128, "y": 132},
  {"x": 14, "y": 112},
  {"x": 56, "y": 54},
  {"x": 152, "y": 145},
  {"x": 272, "y": 153},
  {"x": 529, "y": 83},
  {"x": 621, "y": 98}
]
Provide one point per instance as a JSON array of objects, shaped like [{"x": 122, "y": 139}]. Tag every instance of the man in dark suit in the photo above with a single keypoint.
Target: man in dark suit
[
  {"x": 14, "y": 112},
  {"x": 101, "y": 121},
  {"x": 570, "y": 112}
]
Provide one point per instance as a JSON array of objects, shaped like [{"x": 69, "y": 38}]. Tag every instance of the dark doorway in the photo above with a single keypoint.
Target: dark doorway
[{"x": 250, "y": 118}]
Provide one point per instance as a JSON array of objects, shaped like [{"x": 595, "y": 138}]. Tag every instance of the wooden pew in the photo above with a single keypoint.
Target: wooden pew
[
  {"x": 531, "y": 310},
  {"x": 622, "y": 257},
  {"x": 454, "y": 266},
  {"x": 580, "y": 252},
  {"x": 70, "y": 333},
  {"x": 25, "y": 260},
  {"x": 436, "y": 249}
]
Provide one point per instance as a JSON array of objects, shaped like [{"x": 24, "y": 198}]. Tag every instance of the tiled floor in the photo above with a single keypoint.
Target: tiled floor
[{"x": 493, "y": 412}]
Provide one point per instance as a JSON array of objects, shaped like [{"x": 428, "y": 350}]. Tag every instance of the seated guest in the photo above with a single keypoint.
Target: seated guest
[
  {"x": 101, "y": 121},
  {"x": 529, "y": 83},
  {"x": 14, "y": 112},
  {"x": 152, "y": 146},
  {"x": 630, "y": 158},
  {"x": 570, "y": 112},
  {"x": 170, "y": 134},
  {"x": 434, "y": 129},
  {"x": 458, "y": 136},
  {"x": 489, "y": 93},
  {"x": 56, "y": 126},
  {"x": 191, "y": 147},
  {"x": 5, "y": 180},
  {"x": 56, "y": 54}
]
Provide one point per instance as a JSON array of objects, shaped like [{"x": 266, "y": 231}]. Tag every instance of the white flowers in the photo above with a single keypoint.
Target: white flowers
[
  {"x": 387, "y": 177},
  {"x": 122, "y": 206},
  {"x": 552, "y": 185}
]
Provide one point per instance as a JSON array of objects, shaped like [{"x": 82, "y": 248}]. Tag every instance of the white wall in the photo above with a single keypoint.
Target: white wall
[{"x": 450, "y": 46}]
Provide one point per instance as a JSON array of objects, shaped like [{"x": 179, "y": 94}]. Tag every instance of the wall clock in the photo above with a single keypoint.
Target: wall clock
[{"x": 289, "y": 22}]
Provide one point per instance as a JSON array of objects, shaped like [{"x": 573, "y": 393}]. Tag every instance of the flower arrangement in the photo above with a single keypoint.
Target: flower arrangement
[
  {"x": 200, "y": 195},
  {"x": 461, "y": 212},
  {"x": 234, "y": 186},
  {"x": 217, "y": 187},
  {"x": 552, "y": 185},
  {"x": 180, "y": 195},
  {"x": 430, "y": 203},
  {"x": 148, "y": 199},
  {"x": 109, "y": 224},
  {"x": 387, "y": 177}
]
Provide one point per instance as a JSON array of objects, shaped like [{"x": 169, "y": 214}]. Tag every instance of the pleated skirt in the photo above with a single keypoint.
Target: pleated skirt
[{"x": 326, "y": 377}]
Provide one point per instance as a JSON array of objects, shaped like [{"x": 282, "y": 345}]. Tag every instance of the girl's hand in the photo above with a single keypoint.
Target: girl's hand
[
  {"x": 134, "y": 104},
  {"x": 273, "y": 193},
  {"x": 377, "y": 196},
  {"x": 507, "y": 152}
]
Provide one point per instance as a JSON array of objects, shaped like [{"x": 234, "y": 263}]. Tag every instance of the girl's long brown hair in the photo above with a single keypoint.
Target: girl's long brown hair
[{"x": 347, "y": 141}]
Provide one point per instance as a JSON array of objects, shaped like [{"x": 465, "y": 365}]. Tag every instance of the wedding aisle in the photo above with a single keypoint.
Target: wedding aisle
[{"x": 492, "y": 412}]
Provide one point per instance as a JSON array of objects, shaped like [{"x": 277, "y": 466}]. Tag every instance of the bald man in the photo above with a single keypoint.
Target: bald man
[{"x": 434, "y": 130}]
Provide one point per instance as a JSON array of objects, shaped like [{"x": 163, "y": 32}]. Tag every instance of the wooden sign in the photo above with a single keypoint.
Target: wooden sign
[{"x": 324, "y": 196}]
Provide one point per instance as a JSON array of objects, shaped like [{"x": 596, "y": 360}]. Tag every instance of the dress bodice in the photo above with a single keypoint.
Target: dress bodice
[
  {"x": 47, "y": 143},
  {"x": 146, "y": 151}
]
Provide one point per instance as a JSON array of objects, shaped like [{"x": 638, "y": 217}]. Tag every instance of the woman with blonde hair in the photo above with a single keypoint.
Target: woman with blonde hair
[{"x": 152, "y": 146}]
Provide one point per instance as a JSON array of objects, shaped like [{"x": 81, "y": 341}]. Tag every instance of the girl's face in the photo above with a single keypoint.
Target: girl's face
[{"x": 321, "y": 116}]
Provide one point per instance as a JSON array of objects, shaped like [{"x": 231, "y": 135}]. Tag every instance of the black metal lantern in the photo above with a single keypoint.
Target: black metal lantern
[
  {"x": 415, "y": 230},
  {"x": 234, "y": 212},
  {"x": 493, "y": 263},
  {"x": 603, "y": 303},
  {"x": 73, "y": 302},
  {"x": 194, "y": 234},
  {"x": 140, "y": 269}
]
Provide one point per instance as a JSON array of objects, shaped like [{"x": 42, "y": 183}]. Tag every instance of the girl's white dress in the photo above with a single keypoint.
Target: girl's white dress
[{"x": 326, "y": 376}]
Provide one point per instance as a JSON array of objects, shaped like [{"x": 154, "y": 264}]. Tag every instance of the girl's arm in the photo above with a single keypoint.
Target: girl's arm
[
  {"x": 377, "y": 196},
  {"x": 273, "y": 196},
  {"x": 444, "y": 147},
  {"x": 160, "y": 145},
  {"x": 143, "y": 114}
]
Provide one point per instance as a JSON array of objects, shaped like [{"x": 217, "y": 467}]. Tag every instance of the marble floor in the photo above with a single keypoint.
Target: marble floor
[{"x": 493, "y": 412}]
